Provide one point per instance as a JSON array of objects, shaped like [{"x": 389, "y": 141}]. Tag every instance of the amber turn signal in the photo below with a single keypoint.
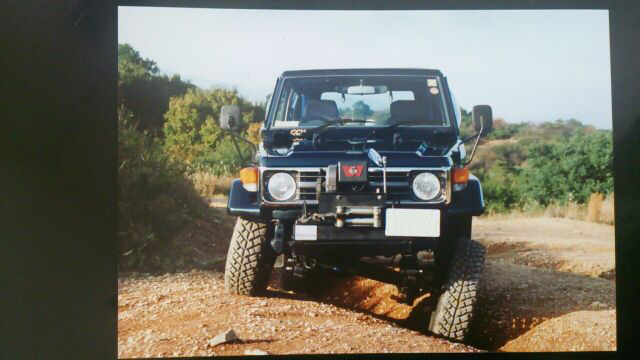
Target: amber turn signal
[
  {"x": 249, "y": 178},
  {"x": 460, "y": 175}
]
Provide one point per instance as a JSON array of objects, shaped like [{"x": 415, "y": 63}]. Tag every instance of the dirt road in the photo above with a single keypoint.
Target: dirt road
[{"x": 547, "y": 287}]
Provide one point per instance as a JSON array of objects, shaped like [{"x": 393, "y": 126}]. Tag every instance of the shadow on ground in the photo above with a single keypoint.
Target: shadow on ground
[{"x": 513, "y": 299}]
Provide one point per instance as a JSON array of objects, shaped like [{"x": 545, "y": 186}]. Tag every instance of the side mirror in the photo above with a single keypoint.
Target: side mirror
[
  {"x": 482, "y": 118},
  {"x": 230, "y": 118},
  {"x": 482, "y": 124}
]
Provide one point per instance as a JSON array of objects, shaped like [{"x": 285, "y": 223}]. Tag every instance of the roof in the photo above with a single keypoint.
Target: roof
[{"x": 378, "y": 71}]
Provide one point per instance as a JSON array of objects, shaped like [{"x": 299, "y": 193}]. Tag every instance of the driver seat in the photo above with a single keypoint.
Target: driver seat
[
  {"x": 409, "y": 110},
  {"x": 319, "y": 110}
]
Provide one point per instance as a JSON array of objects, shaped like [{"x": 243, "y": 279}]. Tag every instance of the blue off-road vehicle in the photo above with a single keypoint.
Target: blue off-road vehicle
[{"x": 355, "y": 166}]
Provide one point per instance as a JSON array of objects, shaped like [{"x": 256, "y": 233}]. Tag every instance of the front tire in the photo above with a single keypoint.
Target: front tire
[
  {"x": 250, "y": 259},
  {"x": 454, "y": 310}
]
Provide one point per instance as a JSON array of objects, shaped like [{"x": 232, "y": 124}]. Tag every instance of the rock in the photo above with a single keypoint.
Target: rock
[
  {"x": 597, "y": 305},
  {"x": 223, "y": 337},
  {"x": 255, "y": 352}
]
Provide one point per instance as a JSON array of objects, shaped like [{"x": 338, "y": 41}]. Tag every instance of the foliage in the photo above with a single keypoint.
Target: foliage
[
  {"x": 500, "y": 193},
  {"x": 209, "y": 185},
  {"x": 556, "y": 129},
  {"x": 524, "y": 165},
  {"x": 569, "y": 169},
  {"x": 143, "y": 90},
  {"x": 498, "y": 168},
  {"x": 155, "y": 200},
  {"x": 361, "y": 110},
  {"x": 527, "y": 165},
  {"x": 192, "y": 134},
  {"x": 466, "y": 124},
  {"x": 253, "y": 133},
  {"x": 504, "y": 130},
  {"x": 381, "y": 116},
  {"x": 225, "y": 160}
]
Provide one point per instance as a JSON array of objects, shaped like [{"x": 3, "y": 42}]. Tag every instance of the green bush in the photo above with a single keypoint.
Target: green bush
[
  {"x": 192, "y": 134},
  {"x": 503, "y": 130},
  {"x": 466, "y": 124},
  {"x": 155, "y": 199},
  {"x": 225, "y": 160},
  {"x": 550, "y": 163},
  {"x": 569, "y": 169},
  {"x": 500, "y": 187}
]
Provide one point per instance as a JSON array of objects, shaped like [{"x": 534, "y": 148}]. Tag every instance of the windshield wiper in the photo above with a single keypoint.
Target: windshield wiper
[
  {"x": 338, "y": 121},
  {"x": 317, "y": 131},
  {"x": 389, "y": 128}
]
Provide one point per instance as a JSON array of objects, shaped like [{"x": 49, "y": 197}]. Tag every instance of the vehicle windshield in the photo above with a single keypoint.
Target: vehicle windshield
[{"x": 360, "y": 101}]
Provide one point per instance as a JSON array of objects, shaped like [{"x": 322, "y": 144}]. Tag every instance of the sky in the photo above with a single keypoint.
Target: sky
[{"x": 529, "y": 65}]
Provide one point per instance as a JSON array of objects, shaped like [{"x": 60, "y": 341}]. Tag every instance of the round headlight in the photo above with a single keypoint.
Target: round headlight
[
  {"x": 426, "y": 186},
  {"x": 281, "y": 186}
]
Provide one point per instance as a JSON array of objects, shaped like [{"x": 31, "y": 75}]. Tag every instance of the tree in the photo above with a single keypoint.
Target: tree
[
  {"x": 361, "y": 110},
  {"x": 155, "y": 200},
  {"x": 143, "y": 90},
  {"x": 192, "y": 134},
  {"x": 569, "y": 169}
]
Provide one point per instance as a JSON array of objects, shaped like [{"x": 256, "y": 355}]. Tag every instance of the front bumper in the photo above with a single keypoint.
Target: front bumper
[{"x": 363, "y": 241}]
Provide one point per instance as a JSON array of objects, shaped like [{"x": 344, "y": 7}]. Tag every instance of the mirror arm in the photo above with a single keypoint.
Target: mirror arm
[
  {"x": 235, "y": 143},
  {"x": 464, "y": 141},
  {"x": 255, "y": 148},
  {"x": 475, "y": 145}
]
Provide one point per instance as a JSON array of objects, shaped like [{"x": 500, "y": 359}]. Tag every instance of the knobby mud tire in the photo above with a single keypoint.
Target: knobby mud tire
[
  {"x": 454, "y": 310},
  {"x": 250, "y": 259}
]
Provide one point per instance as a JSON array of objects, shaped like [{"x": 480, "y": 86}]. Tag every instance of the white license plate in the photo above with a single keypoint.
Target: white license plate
[
  {"x": 412, "y": 222},
  {"x": 305, "y": 232}
]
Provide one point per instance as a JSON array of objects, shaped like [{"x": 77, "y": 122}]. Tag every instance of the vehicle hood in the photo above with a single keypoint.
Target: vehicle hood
[
  {"x": 412, "y": 148},
  {"x": 325, "y": 158}
]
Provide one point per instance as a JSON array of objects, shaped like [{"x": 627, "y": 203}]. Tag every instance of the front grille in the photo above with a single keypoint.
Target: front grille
[
  {"x": 398, "y": 183},
  {"x": 307, "y": 185}
]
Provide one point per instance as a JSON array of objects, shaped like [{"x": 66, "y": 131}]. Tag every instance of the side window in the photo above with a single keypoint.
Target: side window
[
  {"x": 267, "y": 105},
  {"x": 286, "y": 111},
  {"x": 280, "y": 109},
  {"x": 456, "y": 108},
  {"x": 293, "y": 101}
]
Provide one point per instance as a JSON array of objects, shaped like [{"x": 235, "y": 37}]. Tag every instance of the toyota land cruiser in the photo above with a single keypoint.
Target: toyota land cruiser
[{"x": 357, "y": 164}]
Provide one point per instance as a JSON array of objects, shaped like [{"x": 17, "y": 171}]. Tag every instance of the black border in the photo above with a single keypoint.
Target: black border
[{"x": 58, "y": 166}]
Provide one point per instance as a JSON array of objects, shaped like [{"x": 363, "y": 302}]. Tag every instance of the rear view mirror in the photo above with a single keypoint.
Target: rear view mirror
[
  {"x": 230, "y": 118},
  {"x": 482, "y": 118},
  {"x": 361, "y": 90}
]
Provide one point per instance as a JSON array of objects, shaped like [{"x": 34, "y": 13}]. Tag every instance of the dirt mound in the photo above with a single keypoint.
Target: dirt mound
[
  {"x": 177, "y": 315},
  {"x": 576, "y": 331},
  {"x": 525, "y": 303},
  {"x": 550, "y": 243},
  {"x": 202, "y": 245},
  {"x": 379, "y": 299},
  {"x": 515, "y": 299}
]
